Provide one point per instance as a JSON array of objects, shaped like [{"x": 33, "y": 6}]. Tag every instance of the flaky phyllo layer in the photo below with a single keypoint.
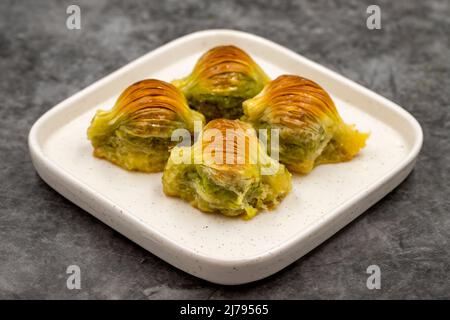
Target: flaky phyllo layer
[
  {"x": 222, "y": 79},
  {"x": 311, "y": 131},
  {"x": 136, "y": 133},
  {"x": 227, "y": 170}
]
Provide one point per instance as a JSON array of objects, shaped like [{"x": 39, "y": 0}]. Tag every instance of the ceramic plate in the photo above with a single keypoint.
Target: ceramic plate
[{"x": 210, "y": 246}]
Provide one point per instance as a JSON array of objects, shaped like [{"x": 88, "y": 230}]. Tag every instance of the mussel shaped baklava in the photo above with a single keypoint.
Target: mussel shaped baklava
[
  {"x": 311, "y": 131},
  {"x": 222, "y": 79},
  {"x": 227, "y": 171},
  {"x": 136, "y": 133}
]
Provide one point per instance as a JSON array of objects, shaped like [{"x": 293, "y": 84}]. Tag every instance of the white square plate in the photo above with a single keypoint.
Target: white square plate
[{"x": 210, "y": 246}]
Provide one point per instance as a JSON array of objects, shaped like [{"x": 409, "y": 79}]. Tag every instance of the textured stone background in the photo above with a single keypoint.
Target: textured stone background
[{"x": 42, "y": 63}]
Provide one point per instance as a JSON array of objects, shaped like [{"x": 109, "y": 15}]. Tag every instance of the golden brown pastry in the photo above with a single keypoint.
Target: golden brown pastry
[
  {"x": 222, "y": 79},
  {"x": 136, "y": 133},
  {"x": 311, "y": 130},
  {"x": 228, "y": 171}
]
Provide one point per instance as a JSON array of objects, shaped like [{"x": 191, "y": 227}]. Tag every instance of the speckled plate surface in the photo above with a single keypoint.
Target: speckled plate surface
[{"x": 212, "y": 247}]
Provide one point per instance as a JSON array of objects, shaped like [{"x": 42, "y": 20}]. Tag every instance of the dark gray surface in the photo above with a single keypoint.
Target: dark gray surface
[{"x": 41, "y": 63}]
